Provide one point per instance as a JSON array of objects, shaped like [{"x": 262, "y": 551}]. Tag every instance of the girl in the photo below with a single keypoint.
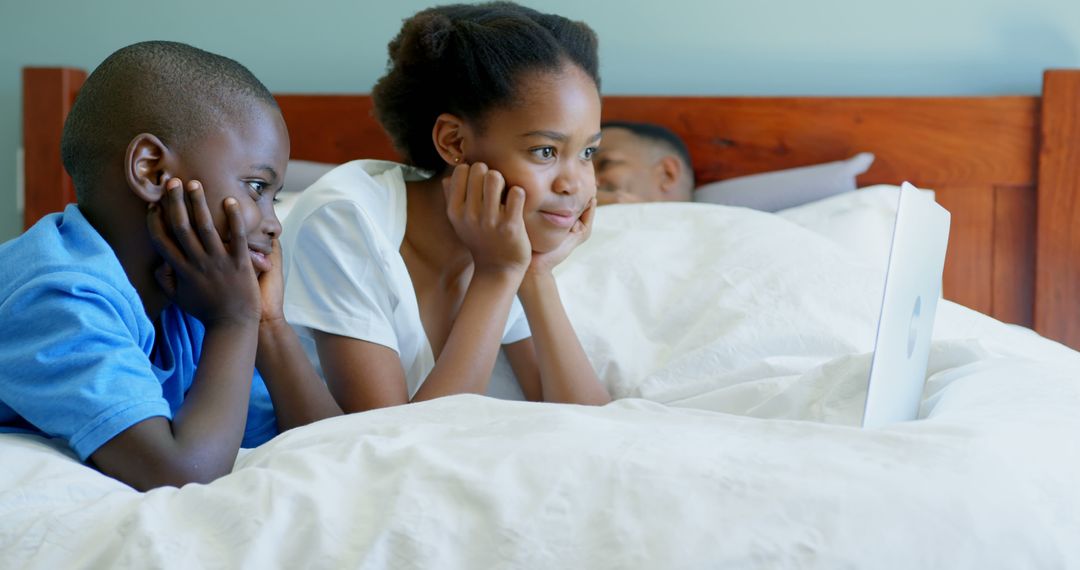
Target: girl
[{"x": 407, "y": 279}]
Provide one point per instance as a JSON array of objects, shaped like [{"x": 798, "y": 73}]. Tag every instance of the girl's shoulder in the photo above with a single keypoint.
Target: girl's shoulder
[{"x": 371, "y": 193}]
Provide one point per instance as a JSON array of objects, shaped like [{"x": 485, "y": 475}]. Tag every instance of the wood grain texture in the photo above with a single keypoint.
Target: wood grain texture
[
  {"x": 1057, "y": 263},
  {"x": 929, "y": 141},
  {"x": 969, "y": 262},
  {"x": 1014, "y": 262},
  {"x": 47, "y": 97},
  {"x": 1010, "y": 197},
  {"x": 334, "y": 128}
]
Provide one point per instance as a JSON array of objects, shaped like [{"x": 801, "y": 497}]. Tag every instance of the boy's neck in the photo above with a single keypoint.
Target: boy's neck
[{"x": 123, "y": 226}]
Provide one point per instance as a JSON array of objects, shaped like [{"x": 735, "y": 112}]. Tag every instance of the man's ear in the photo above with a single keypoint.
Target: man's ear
[
  {"x": 448, "y": 134},
  {"x": 147, "y": 167},
  {"x": 671, "y": 174}
]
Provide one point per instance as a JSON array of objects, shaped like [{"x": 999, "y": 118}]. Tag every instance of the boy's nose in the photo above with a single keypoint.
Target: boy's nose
[{"x": 271, "y": 225}]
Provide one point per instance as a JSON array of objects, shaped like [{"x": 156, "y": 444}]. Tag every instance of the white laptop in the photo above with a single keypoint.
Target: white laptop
[{"x": 912, "y": 290}]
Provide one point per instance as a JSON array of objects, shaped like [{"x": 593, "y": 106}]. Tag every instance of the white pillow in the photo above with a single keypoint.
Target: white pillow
[
  {"x": 300, "y": 175},
  {"x": 772, "y": 191},
  {"x": 861, "y": 221},
  {"x": 304, "y": 173}
]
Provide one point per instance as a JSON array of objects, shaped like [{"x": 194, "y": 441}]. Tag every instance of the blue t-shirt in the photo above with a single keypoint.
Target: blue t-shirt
[{"x": 77, "y": 351}]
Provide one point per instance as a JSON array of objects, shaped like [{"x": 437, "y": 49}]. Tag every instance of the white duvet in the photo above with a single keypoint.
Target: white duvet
[{"x": 738, "y": 343}]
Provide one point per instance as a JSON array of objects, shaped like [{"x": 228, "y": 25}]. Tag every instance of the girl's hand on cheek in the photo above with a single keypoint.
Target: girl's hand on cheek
[
  {"x": 205, "y": 278},
  {"x": 545, "y": 262},
  {"x": 493, "y": 231}
]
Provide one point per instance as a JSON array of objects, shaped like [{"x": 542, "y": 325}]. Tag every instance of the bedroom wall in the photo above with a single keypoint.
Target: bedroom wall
[{"x": 781, "y": 47}]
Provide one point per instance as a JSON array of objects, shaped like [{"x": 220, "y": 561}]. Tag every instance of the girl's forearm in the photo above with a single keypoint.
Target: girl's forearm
[
  {"x": 565, "y": 371},
  {"x": 465, "y": 363}
]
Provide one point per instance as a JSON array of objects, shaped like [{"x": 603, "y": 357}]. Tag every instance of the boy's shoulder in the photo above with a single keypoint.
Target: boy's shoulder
[{"x": 61, "y": 250}]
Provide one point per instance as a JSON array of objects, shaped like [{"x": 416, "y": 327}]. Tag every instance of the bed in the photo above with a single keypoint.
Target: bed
[{"x": 739, "y": 366}]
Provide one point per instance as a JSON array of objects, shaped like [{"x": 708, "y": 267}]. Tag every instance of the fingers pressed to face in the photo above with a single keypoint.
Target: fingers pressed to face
[
  {"x": 589, "y": 212},
  {"x": 201, "y": 219},
  {"x": 515, "y": 202},
  {"x": 474, "y": 194},
  {"x": 494, "y": 183},
  {"x": 586, "y": 217},
  {"x": 176, "y": 212},
  {"x": 237, "y": 231}
]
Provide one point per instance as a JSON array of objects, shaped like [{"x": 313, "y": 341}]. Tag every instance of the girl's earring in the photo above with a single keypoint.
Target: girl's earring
[{"x": 457, "y": 159}]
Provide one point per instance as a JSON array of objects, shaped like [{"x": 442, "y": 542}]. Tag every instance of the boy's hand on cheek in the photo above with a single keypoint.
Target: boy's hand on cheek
[
  {"x": 272, "y": 287},
  {"x": 215, "y": 283},
  {"x": 546, "y": 262},
  {"x": 493, "y": 231}
]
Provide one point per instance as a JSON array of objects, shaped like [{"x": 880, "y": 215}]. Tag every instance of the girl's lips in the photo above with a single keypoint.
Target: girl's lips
[
  {"x": 260, "y": 261},
  {"x": 559, "y": 218}
]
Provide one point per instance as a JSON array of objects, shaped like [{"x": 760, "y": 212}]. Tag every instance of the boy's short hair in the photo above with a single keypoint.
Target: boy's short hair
[
  {"x": 171, "y": 90},
  {"x": 656, "y": 134}
]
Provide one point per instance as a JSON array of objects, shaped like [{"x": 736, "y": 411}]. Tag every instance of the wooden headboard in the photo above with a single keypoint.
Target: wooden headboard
[{"x": 1008, "y": 168}]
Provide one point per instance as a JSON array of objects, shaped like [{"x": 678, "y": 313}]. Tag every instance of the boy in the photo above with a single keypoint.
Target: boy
[
  {"x": 133, "y": 322},
  {"x": 642, "y": 162}
]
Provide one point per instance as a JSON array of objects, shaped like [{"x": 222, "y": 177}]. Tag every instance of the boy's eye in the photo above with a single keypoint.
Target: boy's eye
[
  {"x": 544, "y": 152},
  {"x": 588, "y": 153},
  {"x": 257, "y": 186}
]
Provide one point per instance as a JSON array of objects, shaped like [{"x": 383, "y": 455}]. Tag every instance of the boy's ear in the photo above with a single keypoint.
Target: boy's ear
[
  {"x": 448, "y": 134},
  {"x": 147, "y": 167}
]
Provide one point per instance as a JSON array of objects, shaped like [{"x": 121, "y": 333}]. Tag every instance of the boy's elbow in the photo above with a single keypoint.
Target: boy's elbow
[
  {"x": 146, "y": 475},
  {"x": 180, "y": 475},
  {"x": 171, "y": 476}
]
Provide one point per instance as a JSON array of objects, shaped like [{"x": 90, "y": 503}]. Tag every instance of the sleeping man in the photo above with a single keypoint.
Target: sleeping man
[{"x": 641, "y": 162}]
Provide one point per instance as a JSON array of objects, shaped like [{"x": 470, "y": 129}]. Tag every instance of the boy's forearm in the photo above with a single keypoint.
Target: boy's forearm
[
  {"x": 299, "y": 395},
  {"x": 468, "y": 357},
  {"x": 209, "y": 426},
  {"x": 565, "y": 371}
]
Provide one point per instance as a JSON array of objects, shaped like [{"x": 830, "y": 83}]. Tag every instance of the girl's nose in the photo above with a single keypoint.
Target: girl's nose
[{"x": 572, "y": 179}]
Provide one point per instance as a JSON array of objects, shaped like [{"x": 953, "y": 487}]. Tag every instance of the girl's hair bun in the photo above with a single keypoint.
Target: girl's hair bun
[
  {"x": 436, "y": 35},
  {"x": 423, "y": 39}
]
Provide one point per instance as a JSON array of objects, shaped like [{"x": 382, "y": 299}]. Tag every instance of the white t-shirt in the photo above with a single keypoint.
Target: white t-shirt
[{"x": 344, "y": 273}]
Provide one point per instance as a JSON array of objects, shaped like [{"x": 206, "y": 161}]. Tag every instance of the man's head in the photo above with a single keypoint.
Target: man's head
[{"x": 641, "y": 162}]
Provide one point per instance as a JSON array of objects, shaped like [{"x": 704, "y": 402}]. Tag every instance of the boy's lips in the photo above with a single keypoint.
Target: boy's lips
[{"x": 260, "y": 259}]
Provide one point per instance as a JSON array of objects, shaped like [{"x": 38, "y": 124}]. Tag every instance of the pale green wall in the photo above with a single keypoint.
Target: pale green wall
[{"x": 834, "y": 47}]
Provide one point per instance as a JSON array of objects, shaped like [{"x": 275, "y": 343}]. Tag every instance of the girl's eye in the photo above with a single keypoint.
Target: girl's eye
[
  {"x": 588, "y": 153},
  {"x": 544, "y": 152}
]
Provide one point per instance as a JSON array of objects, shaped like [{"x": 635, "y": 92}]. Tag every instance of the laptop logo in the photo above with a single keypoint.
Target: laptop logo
[{"x": 913, "y": 329}]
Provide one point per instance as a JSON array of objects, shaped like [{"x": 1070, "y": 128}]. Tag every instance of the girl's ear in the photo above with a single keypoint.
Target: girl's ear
[
  {"x": 448, "y": 134},
  {"x": 146, "y": 166}
]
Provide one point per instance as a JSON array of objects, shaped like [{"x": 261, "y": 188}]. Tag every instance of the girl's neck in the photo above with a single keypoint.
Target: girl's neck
[{"x": 428, "y": 231}]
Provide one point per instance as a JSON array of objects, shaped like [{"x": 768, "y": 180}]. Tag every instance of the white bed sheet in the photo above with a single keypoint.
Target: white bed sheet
[{"x": 739, "y": 344}]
